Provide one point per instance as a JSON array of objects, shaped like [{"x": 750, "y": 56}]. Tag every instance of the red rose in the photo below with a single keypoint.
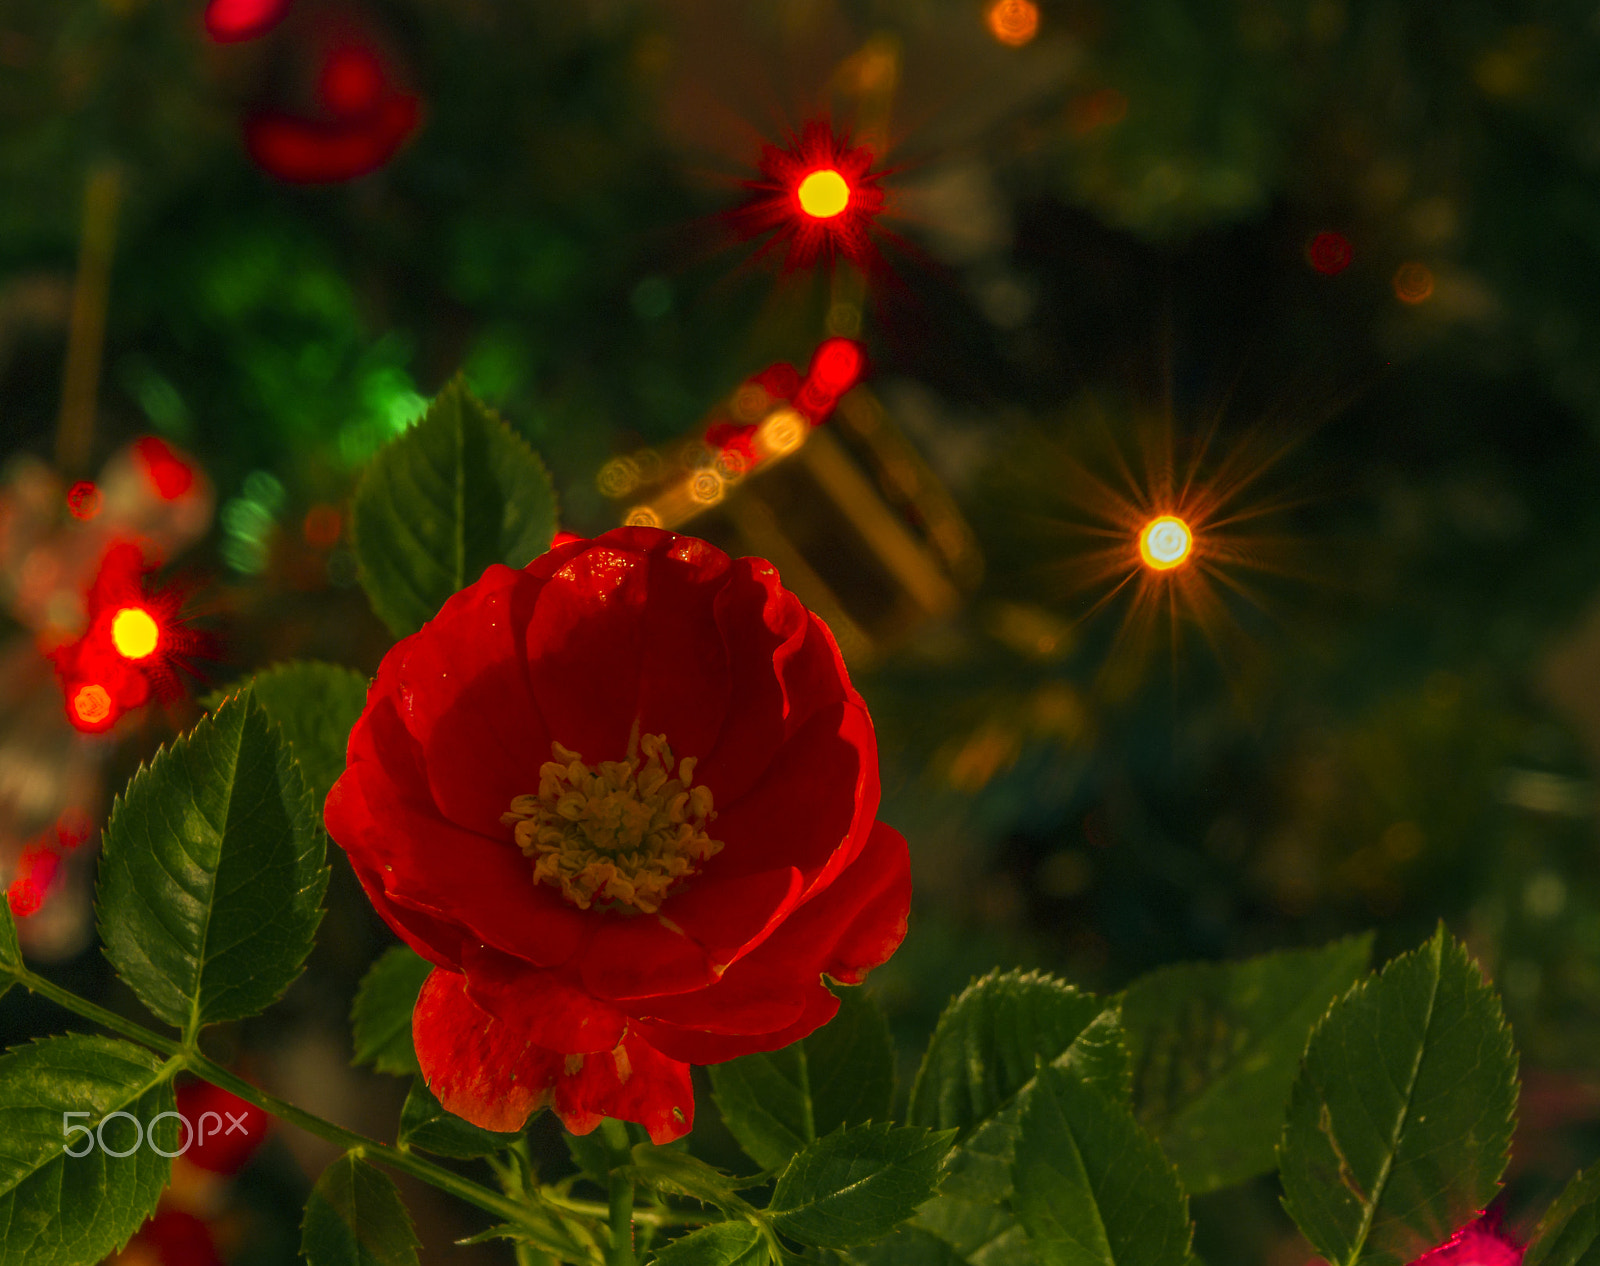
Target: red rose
[{"x": 623, "y": 800}]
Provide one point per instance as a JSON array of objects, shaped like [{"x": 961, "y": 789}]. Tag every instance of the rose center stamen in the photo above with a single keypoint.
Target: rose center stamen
[{"x": 620, "y": 831}]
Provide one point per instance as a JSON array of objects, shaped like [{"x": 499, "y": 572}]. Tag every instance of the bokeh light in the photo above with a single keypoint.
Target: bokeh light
[
  {"x": 1165, "y": 542},
  {"x": 135, "y": 633},
  {"x": 90, "y": 707},
  {"x": 1413, "y": 283},
  {"x": 824, "y": 194},
  {"x": 83, "y": 500},
  {"x": 1013, "y": 22},
  {"x": 231, "y": 20},
  {"x": 1330, "y": 253}
]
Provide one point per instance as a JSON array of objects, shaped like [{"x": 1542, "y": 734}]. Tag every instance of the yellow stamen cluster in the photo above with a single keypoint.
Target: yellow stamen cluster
[{"x": 621, "y": 831}]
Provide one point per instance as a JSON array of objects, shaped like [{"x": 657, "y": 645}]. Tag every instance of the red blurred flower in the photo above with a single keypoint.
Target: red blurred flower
[
  {"x": 227, "y": 1130},
  {"x": 623, "y": 800},
  {"x": 783, "y": 208},
  {"x": 366, "y": 119},
  {"x": 1479, "y": 1243}
]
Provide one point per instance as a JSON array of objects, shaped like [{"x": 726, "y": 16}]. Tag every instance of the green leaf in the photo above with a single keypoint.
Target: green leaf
[
  {"x": 61, "y": 1209},
  {"x": 725, "y": 1244},
  {"x": 776, "y": 1102},
  {"x": 989, "y": 1041},
  {"x": 212, "y": 874},
  {"x": 1569, "y": 1233},
  {"x": 1217, "y": 1047},
  {"x": 972, "y": 1212},
  {"x": 1092, "y": 1188},
  {"x": 426, "y": 1123},
  {"x": 355, "y": 1217},
  {"x": 455, "y": 493},
  {"x": 907, "y": 1246},
  {"x": 668, "y": 1169},
  {"x": 1399, "y": 1124},
  {"x": 380, "y": 1018},
  {"x": 856, "y": 1184},
  {"x": 316, "y": 704},
  {"x": 563, "y": 1237}
]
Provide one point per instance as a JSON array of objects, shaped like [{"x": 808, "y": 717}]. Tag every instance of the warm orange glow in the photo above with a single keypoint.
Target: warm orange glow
[
  {"x": 1013, "y": 22},
  {"x": 91, "y": 706},
  {"x": 135, "y": 633},
  {"x": 824, "y": 194},
  {"x": 1413, "y": 283},
  {"x": 1165, "y": 543}
]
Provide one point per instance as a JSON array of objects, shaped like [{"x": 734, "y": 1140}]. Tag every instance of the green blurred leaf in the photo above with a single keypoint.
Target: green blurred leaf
[
  {"x": 1217, "y": 1047},
  {"x": 907, "y": 1246},
  {"x": 426, "y": 1123},
  {"x": 316, "y": 704},
  {"x": 380, "y": 1017},
  {"x": 61, "y": 1209},
  {"x": 1092, "y": 1188},
  {"x": 725, "y": 1244},
  {"x": 776, "y": 1102},
  {"x": 1569, "y": 1233},
  {"x": 211, "y": 873},
  {"x": 593, "y": 1153},
  {"x": 988, "y": 1043},
  {"x": 856, "y": 1184},
  {"x": 455, "y": 493},
  {"x": 1399, "y": 1124},
  {"x": 973, "y": 1210},
  {"x": 355, "y": 1217}
]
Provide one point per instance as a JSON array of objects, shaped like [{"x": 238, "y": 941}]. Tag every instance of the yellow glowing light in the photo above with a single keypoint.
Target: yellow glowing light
[
  {"x": 781, "y": 433},
  {"x": 1013, "y": 22},
  {"x": 1165, "y": 543},
  {"x": 824, "y": 194},
  {"x": 134, "y": 633}
]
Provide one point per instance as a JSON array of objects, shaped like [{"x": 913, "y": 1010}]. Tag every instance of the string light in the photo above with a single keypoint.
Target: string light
[
  {"x": 1013, "y": 22},
  {"x": 824, "y": 194},
  {"x": 817, "y": 196},
  {"x": 135, "y": 633},
  {"x": 1165, "y": 542},
  {"x": 90, "y": 707}
]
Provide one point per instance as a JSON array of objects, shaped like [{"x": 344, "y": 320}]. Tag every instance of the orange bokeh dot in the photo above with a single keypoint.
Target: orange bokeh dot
[
  {"x": 1165, "y": 542},
  {"x": 135, "y": 633},
  {"x": 1013, "y": 22},
  {"x": 824, "y": 194},
  {"x": 1413, "y": 283},
  {"x": 91, "y": 706}
]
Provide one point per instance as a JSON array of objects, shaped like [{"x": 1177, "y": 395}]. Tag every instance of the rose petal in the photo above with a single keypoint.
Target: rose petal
[
  {"x": 683, "y": 674},
  {"x": 820, "y": 783},
  {"x": 699, "y": 1047},
  {"x": 640, "y": 957},
  {"x": 431, "y": 865},
  {"x": 635, "y": 1082},
  {"x": 545, "y": 1008},
  {"x": 478, "y": 1068},
  {"x": 487, "y": 1071},
  {"x": 464, "y": 695}
]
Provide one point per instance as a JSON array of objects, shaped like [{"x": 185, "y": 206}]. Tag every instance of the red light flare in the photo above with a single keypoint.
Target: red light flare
[
  {"x": 134, "y": 646},
  {"x": 1479, "y": 1243},
  {"x": 818, "y": 197},
  {"x": 169, "y": 474},
  {"x": 1329, "y": 253},
  {"x": 228, "y": 21},
  {"x": 1175, "y": 541},
  {"x": 36, "y": 871},
  {"x": 83, "y": 500},
  {"x": 367, "y": 118}
]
